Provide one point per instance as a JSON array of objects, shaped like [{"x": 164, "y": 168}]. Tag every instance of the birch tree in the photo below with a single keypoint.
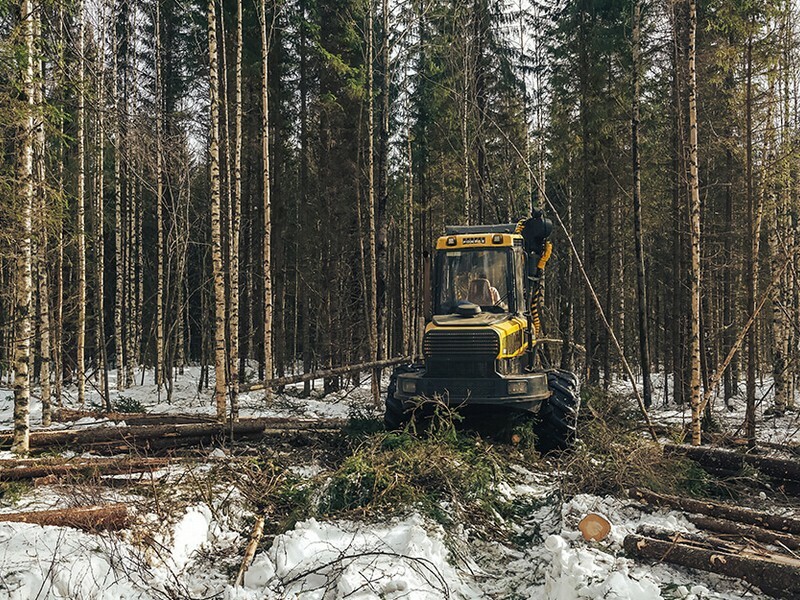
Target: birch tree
[
  {"x": 265, "y": 182},
  {"x": 694, "y": 228},
  {"x": 22, "y": 271},
  {"x": 220, "y": 387}
]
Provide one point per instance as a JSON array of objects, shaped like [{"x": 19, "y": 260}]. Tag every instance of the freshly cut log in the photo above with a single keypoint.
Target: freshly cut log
[
  {"x": 778, "y": 576},
  {"x": 723, "y": 511},
  {"x": 730, "y": 461},
  {"x": 12, "y": 470},
  {"x": 594, "y": 527},
  {"x": 750, "y": 532},
  {"x": 88, "y": 518},
  {"x": 138, "y": 435}
]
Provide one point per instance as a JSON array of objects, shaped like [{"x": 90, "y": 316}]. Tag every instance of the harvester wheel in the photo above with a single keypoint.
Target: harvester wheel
[
  {"x": 558, "y": 417},
  {"x": 395, "y": 416}
]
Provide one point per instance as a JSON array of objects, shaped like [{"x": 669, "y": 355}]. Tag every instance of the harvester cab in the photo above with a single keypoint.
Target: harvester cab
[{"x": 479, "y": 344}]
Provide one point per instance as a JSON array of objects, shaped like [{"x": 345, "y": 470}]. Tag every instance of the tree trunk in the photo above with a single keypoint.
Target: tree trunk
[
  {"x": 372, "y": 291},
  {"x": 22, "y": 271},
  {"x": 775, "y": 577},
  {"x": 160, "y": 258},
  {"x": 754, "y": 206},
  {"x": 89, "y": 518},
  {"x": 81, "y": 192},
  {"x": 719, "y": 510},
  {"x": 694, "y": 226},
  {"x": 99, "y": 212},
  {"x": 641, "y": 290},
  {"x": 265, "y": 182},
  {"x": 236, "y": 209},
  {"x": 220, "y": 386},
  {"x": 42, "y": 226},
  {"x": 119, "y": 234}
]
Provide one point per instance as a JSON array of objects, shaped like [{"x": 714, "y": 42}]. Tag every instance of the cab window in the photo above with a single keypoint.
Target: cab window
[{"x": 481, "y": 277}]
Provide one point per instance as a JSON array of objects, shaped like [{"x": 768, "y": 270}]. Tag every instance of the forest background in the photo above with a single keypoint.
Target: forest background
[{"x": 247, "y": 183}]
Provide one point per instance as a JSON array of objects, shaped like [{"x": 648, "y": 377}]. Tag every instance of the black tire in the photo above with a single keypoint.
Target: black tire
[
  {"x": 395, "y": 416},
  {"x": 558, "y": 417}
]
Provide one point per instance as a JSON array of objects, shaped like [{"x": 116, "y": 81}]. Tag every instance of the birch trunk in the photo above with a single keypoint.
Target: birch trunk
[
  {"x": 266, "y": 257},
  {"x": 22, "y": 272},
  {"x": 235, "y": 225},
  {"x": 694, "y": 228},
  {"x": 216, "y": 232}
]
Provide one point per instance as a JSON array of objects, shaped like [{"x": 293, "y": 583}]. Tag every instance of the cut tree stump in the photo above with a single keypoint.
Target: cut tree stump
[
  {"x": 723, "y": 511},
  {"x": 88, "y": 518},
  {"x": 729, "y": 461},
  {"x": 776, "y": 575},
  {"x": 18, "y": 470}
]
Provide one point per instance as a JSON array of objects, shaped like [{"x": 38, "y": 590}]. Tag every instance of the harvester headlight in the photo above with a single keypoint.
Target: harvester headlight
[
  {"x": 497, "y": 238},
  {"x": 408, "y": 386},
  {"x": 517, "y": 387},
  {"x": 451, "y": 241}
]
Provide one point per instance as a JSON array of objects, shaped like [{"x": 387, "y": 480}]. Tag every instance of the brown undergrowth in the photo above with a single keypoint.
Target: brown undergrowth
[{"x": 613, "y": 454}]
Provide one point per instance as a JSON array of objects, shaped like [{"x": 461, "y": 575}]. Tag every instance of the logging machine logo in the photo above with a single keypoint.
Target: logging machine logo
[{"x": 473, "y": 240}]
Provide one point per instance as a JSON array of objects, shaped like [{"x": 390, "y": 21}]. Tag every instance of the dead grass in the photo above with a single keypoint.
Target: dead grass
[{"x": 613, "y": 454}]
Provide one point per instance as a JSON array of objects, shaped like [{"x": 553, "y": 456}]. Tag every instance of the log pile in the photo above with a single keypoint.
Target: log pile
[{"x": 737, "y": 542}]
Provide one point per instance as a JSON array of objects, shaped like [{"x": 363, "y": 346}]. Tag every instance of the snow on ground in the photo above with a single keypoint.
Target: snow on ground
[
  {"x": 187, "y": 400},
  {"x": 409, "y": 558},
  {"x": 197, "y": 553},
  {"x": 783, "y": 429}
]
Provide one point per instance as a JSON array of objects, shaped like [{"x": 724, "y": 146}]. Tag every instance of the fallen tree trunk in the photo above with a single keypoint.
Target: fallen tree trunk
[
  {"x": 777, "y": 576},
  {"x": 730, "y": 461},
  {"x": 20, "y": 470},
  {"x": 749, "y": 532},
  {"x": 793, "y": 449},
  {"x": 724, "y": 511},
  {"x": 65, "y": 415},
  {"x": 335, "y": 372},
  {"x": 138, "y": 436},
  {"x": 88, "y": 518}
]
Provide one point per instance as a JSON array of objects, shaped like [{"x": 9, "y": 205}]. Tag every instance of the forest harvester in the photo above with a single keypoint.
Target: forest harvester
[{"x": 483, "y": 326}]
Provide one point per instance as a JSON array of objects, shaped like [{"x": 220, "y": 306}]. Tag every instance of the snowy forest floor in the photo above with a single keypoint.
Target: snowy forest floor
[{"x": 365, "y": 514}]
